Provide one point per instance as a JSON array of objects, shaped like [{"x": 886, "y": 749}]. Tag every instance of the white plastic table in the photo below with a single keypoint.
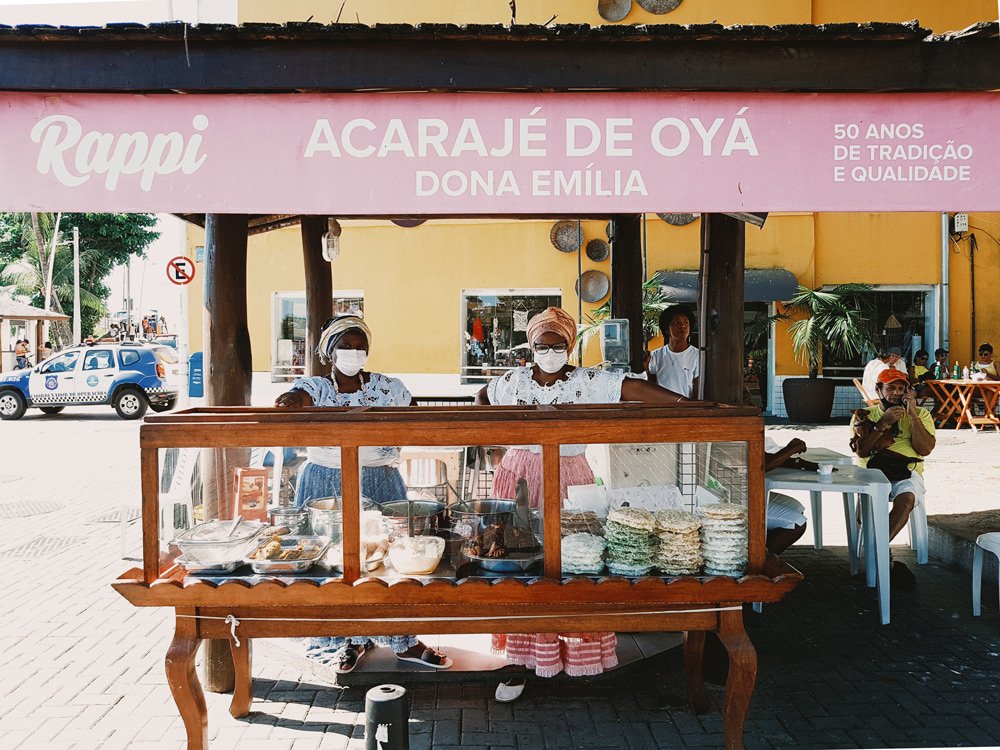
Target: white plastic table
[
  {"x": 873, "y": 487},
  {"x": 827, "y": 456}
]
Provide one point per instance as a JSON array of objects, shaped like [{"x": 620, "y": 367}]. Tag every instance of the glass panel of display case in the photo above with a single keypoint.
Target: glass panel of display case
[
  {"x": 202, "y": 491},
  {"x": 453, "y": 512},
  {"x": 635, "y": 509}
]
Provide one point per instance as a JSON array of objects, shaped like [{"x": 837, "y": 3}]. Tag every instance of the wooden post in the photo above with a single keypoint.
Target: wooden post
[
  {"x": 319, "y": 289},
  {"x": 228, "y": 378},
  {"x": 626, "y": 281},
  {"x": 720, "y": 307}
]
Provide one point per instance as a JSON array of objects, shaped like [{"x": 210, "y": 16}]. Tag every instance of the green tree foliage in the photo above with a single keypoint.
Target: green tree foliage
[
  {"x": 839, "y": 319},
  {"x": 106, "y": 240}
]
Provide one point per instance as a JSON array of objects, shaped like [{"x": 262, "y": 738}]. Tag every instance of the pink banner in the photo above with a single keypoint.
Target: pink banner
[{"x": 468, "y": 154}]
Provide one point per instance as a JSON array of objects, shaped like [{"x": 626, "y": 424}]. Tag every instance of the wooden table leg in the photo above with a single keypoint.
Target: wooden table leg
[
  {"x": 742, "y": 676},
  {"x": 183, "y": 680},
  {"x": 694, "y": 652},
  {"x": 243, "y": 689}
]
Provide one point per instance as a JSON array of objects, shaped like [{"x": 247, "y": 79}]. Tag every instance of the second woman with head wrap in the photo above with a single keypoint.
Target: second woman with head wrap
[{"x": 551, "y": 380}]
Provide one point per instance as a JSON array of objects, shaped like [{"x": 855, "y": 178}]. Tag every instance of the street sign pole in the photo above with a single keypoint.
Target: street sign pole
[{"x": 77, "y": 326}]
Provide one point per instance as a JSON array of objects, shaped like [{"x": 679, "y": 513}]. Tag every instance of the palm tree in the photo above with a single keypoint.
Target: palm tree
[{"x": 838, "y": 319}]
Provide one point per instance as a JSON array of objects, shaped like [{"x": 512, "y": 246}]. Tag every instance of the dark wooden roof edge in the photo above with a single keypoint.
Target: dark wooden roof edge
[
  {"x": 981, "y": 30},
  {"x": 293, "y": 31}
]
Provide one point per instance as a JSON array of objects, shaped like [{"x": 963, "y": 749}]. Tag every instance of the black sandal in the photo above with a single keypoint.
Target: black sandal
[{"x": 349, "y": 659}]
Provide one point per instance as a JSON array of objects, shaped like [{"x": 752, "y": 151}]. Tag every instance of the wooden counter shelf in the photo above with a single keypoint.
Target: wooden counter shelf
[{"x": 240, "y": 609}]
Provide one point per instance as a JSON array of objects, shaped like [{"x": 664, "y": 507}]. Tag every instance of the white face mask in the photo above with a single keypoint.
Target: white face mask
[
  {"x": 349, "y": 361},
  {"x": 551, "y": 361}
]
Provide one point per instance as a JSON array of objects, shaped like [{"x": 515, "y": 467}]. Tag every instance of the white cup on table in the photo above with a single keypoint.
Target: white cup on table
[{"x": 825, "y": 472}]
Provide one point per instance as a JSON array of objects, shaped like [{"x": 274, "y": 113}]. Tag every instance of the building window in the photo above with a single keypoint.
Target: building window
[
  {"x": 289, "y": 309},
  {"x": 904, "y": 318},
  {"x": 494, "y": 325}
]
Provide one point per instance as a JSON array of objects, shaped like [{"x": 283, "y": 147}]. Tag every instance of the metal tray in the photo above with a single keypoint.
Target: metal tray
[
  {"x": 209, "y": 567},
  {"x": 289, "y": 566}
]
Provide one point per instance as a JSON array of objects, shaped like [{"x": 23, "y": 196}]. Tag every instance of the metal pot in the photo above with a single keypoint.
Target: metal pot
[
  {"x": 326, "y": 517},
  {"x": 427, "y": 516},
  {"x": 471, "y": 516}
]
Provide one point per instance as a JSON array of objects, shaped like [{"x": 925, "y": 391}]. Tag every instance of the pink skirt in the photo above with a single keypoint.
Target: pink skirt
[
  {"x": 576, "y": 654},
  {"x": 518, "y": 462}
]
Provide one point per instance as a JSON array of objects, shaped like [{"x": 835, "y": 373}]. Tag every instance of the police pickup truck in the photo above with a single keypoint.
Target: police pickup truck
[{"x": 129, "y": 376}]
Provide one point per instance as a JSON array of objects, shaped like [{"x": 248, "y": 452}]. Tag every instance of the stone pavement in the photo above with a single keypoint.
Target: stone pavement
[{"x": 82, "y": 668}]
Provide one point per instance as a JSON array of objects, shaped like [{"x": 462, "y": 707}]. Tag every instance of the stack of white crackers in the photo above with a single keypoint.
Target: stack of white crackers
[
  {"x": 724, "y": 538},
  {"x": 632, "y": 545},
  {"x": 583, "y": 554},
  {"x": 680, "y": 545}
]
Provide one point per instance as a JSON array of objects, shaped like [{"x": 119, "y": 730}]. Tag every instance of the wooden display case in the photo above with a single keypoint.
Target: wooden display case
[{"x": 241, "y": 609}]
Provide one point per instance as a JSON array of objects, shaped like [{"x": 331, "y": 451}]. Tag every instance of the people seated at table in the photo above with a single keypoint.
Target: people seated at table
[
  {"x": 894, "y": 437},
  {"x": 985, "y": 363},
  {"x": 786, "y": 521},
  {"x": 941, "y": 358},
  {"x": 919, "y": 373}
]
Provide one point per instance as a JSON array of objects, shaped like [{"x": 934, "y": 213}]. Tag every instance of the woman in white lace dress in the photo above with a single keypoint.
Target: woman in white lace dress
[
  {"x": 551, "y": 380},
  {"x": 344, "y": 343}
]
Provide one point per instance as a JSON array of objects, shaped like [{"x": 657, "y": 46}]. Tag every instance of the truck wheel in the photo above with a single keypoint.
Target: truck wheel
[
  {"x": 12, "y": 405},
  {"x": 51, "y": 409},
  {"x": 130, "y": 404}
]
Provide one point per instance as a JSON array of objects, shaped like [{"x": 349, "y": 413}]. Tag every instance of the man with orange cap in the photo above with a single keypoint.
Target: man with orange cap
[{"x": 911, "y": 430}]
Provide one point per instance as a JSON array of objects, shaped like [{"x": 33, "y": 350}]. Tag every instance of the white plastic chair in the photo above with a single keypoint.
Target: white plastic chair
[
  {"x": 257, "y": 456},
  {"x": 916, "y": 528},
  {"x": 991, "y": 543}
]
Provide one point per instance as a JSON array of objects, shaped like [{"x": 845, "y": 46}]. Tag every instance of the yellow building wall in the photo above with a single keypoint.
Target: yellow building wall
[
  {"x": 933, "y": 14},
  {"x": 412, "y": 278},
  {"x": 412, "y": 281},
  {"x": 369, "y": 12}
]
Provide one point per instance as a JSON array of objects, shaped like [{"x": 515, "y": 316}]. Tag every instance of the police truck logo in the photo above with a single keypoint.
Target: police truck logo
[
  {"x": 51, "y": 382},
  {"x": 92, "y": 380}
]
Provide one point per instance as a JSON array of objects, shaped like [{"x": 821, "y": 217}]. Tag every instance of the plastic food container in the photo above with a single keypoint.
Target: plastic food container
[
  {"x": 416, "y": 555},
  {"x": 316, "y": 546},
  {"x": 213, "y": 567},
  {"x": 208, "y": 542}
]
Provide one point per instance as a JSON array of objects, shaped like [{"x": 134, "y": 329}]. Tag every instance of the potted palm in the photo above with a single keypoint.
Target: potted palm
[{"x": 837, "y": 320}]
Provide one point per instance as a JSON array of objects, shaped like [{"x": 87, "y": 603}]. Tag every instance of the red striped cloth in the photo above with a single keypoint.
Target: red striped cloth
[
  {"x": 577, "y": 654},
  {"x": 518, "y": 463}
]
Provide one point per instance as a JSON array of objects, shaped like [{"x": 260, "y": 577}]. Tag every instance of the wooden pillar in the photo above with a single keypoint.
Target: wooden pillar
[
  {"x": 626, "y": 281},
  {"x": 319, "y": 289},
  {"x": 228, "y": 378},
  {"x": 720, "y": 307}
]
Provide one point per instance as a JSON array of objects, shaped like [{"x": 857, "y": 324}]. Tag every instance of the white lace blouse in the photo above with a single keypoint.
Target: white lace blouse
[
  {"x": 583, "y": 385},
  {"x": 378, "y": 390}
]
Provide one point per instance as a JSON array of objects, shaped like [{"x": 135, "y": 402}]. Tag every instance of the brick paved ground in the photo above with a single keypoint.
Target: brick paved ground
[{"x": 83, "y": 669}]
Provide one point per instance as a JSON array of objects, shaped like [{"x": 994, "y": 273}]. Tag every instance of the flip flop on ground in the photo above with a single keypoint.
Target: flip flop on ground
[
  {"x": 510, "y": 691},
  {"x": 349, "y": 659},
  {"x": 429, "y": 658}
]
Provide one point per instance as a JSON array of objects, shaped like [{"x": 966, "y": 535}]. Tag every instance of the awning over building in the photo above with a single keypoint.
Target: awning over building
[
  {"x": 760, "y": 285},
  {"x": 11, "y": 309}
]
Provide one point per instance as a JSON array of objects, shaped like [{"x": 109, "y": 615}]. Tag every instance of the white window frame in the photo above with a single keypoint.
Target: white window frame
[
  {"x": 276, "y": 298},
  {"x": 494, "y": 292}
]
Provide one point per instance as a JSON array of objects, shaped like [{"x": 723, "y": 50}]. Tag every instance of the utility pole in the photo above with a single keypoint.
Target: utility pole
[{"x": 77, "y": 326}]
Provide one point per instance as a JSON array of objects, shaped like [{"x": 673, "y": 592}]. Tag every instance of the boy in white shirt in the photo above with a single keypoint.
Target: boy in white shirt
[{"x": 674, "y": 366}]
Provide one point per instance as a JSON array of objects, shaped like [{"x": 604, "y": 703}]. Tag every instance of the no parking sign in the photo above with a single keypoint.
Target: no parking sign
[{"x": 180, "y": 270}]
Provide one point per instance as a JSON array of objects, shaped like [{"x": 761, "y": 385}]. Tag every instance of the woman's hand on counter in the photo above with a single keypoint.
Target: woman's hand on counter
[{"x": 293, "y": 399}]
